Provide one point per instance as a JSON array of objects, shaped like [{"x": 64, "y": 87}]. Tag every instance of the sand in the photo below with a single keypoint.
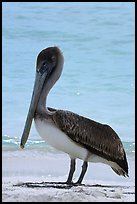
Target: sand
[
  {"x": 32, "y": 177},
  {"x": 37, "y": 191}
]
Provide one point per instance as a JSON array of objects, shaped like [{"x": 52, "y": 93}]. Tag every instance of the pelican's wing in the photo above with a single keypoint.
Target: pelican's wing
[{"x": 98, "y": 138}]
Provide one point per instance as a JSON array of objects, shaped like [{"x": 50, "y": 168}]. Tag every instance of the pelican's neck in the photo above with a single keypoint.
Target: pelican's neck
[{"x": 42, "y": 104}]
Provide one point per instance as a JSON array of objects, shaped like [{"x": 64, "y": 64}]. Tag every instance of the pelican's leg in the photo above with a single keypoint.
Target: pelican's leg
[
  {"x": 84, "y": 169},
  {"x": 71, "y": 172}
]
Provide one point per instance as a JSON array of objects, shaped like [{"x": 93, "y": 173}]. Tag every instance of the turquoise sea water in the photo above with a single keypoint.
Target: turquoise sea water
[{"x": 98, "y": 80}]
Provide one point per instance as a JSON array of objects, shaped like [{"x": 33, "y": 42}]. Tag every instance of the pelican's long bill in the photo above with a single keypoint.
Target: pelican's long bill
[{"x": 41, "y": 76}]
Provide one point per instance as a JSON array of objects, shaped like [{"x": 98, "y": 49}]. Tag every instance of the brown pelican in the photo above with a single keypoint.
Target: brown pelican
[{"x": 69, "y": 132}]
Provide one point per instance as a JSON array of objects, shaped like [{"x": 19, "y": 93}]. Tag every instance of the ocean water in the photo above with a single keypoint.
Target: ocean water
[{"x": 98, "y": 80}]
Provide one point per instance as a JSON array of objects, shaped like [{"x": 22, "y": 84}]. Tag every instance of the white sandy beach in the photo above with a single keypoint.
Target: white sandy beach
[
  {"x": 42, "y": 193},
  {"x": 25, "y": 175}
]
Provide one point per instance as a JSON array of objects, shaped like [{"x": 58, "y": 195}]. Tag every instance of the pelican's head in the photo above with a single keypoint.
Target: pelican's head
[{"x": 49, "y": 66}]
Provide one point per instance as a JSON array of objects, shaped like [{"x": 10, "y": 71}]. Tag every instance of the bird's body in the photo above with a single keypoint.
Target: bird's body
[
  {"x": 78, "y": 136},
  {"x": 75, "y": 135}
]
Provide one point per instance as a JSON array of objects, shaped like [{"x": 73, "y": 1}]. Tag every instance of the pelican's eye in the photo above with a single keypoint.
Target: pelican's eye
[
  {"x": 44, "y": 64},
  {"x": 42, "y": 68}
]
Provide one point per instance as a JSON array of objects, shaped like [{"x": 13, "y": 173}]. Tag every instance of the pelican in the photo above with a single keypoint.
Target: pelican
[{"x": 78, "y": 136}]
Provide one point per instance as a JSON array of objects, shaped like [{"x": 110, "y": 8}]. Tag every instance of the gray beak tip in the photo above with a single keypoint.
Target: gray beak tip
[{"x": 22, "y": 145}]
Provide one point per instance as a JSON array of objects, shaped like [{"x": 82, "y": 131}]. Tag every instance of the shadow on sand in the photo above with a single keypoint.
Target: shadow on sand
[{"x": 62, "y": 185}]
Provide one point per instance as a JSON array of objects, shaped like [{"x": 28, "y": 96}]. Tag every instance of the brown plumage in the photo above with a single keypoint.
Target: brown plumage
[{"x": 98, "y": 138}]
